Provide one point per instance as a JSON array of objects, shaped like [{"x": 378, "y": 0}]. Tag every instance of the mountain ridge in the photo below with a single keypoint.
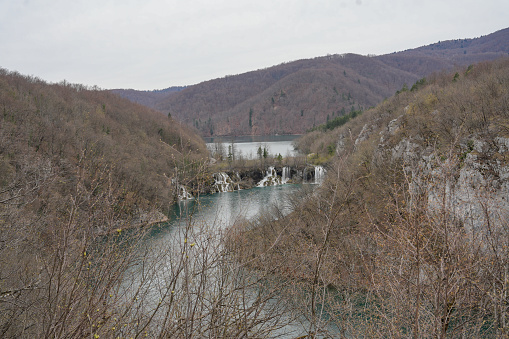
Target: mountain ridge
[{"x": 293, "y": 97}]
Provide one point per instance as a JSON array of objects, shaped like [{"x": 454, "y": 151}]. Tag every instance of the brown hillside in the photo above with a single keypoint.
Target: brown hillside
[
  {"x": 408, "y": 232},
  {"x": 70, "y": 131},
  {"x": 285, "y": 99},
  {"x": 293, "y": 97},
  {"x": 445, "y": 55},
  {"x": 147, "y": 98}
]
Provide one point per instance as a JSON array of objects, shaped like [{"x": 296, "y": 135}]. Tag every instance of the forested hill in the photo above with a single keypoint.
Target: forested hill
[
  {"x": 79, "y": 169},
  {"x": 61, "y": 141},
  {"x": 447, "y": 54},
  {"x": 285, "y": 99},
  {"x": 295, "y": 96},
  {"x": 147, "y": 98}
]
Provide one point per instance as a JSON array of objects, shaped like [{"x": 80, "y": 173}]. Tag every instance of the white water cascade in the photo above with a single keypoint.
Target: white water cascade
[
  {"x": 183, "y": 194},
  {"x": 285, "y": 175},
  {"x": 222, "y": 182},
  {"x": 271, "y": 178},
  {"x": 319, "y": 174}
]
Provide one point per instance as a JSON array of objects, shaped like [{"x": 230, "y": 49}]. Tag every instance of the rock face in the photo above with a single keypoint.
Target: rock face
[
  {"x": 481, "y": 190},
  {"x": 364, "y": 134},
  {"x": 474, "y": 185}
]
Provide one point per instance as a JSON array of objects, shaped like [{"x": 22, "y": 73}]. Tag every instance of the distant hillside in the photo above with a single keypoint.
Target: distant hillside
[
  {"x": 444, "y": 55},
  {"x": 293, "y": 97},
  {"x": 285, "y": 99},
  {"x": 147, "y": 98}
]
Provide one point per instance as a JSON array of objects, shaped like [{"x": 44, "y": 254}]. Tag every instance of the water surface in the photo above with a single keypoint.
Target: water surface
[
  {"x": 247, "y": 146},
  {"x": 223, "y": 209}
]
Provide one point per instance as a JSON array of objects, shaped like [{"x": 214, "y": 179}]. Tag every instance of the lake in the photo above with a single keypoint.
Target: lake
[{"x": 247, "y": 146}]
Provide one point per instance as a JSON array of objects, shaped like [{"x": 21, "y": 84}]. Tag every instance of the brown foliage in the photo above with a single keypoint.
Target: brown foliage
[
  {"x": 78, "y": 169},
  {"x": 65, "y": 123},
  {"x": 285, "y": 99},
  {"x": 387, "y": 243}
]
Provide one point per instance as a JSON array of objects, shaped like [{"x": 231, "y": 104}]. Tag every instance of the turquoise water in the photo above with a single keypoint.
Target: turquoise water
[
  {"x": 201, "y": 221},
  {"x": 221, "y": 210},
  {"x": 214, "y": 213}
]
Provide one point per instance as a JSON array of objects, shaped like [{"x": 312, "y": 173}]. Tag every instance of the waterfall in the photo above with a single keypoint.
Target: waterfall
[
  {"x": 285, "y": 175},
  {"x": 271, "y": 178},
  {"x": 222, "y": 182},
  {"x": 183, "y": 194},
  {"x": 319, "y": 174}
]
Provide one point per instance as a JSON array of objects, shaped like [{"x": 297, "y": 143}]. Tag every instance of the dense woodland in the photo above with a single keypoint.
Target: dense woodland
[
  {"x": 444, "y": 54},
  {"x": 408, "y": 236},
  {"x": 286, "y": 99},
  {"x": 294, "y": 97},
  {"x": 147, "y": 98}
]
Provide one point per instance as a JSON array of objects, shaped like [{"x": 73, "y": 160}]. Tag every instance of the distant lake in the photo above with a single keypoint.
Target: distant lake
[{"x": 247, "y": 146}]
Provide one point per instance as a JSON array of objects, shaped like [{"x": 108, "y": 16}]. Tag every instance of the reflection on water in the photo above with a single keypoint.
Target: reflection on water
[{"x": 223, "y": 209}]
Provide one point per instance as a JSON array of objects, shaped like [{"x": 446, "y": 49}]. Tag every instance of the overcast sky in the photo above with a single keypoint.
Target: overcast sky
[{"x": 155, "y": 44}]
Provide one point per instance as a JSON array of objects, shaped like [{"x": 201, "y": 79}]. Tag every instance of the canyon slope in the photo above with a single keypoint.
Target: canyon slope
[
  {"x": 412, "y": 215},
  {"x": 59, "y": 141}
]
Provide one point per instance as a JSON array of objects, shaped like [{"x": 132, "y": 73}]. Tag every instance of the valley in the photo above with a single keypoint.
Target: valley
[{"x": 389, "y": 219}]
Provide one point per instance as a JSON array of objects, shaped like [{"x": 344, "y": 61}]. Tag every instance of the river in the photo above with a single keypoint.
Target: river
[{"x": 222, "y": 209}]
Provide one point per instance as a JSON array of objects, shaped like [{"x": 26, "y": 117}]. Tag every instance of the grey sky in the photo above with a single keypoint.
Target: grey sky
[{"x": 154, "y": 44}]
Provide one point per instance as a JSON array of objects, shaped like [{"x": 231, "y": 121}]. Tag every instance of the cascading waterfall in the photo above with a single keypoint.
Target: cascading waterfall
[
  {"x": 319, "y": 174},
  {"x": 285, "y": 175},
  {"x": 238, "y": 180},
  {"x": 271, "y": 178},
  {"x": 222, "y": 183},
  {"x": 183, "y": 194},
  {"x": 311, "y": 175}
]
